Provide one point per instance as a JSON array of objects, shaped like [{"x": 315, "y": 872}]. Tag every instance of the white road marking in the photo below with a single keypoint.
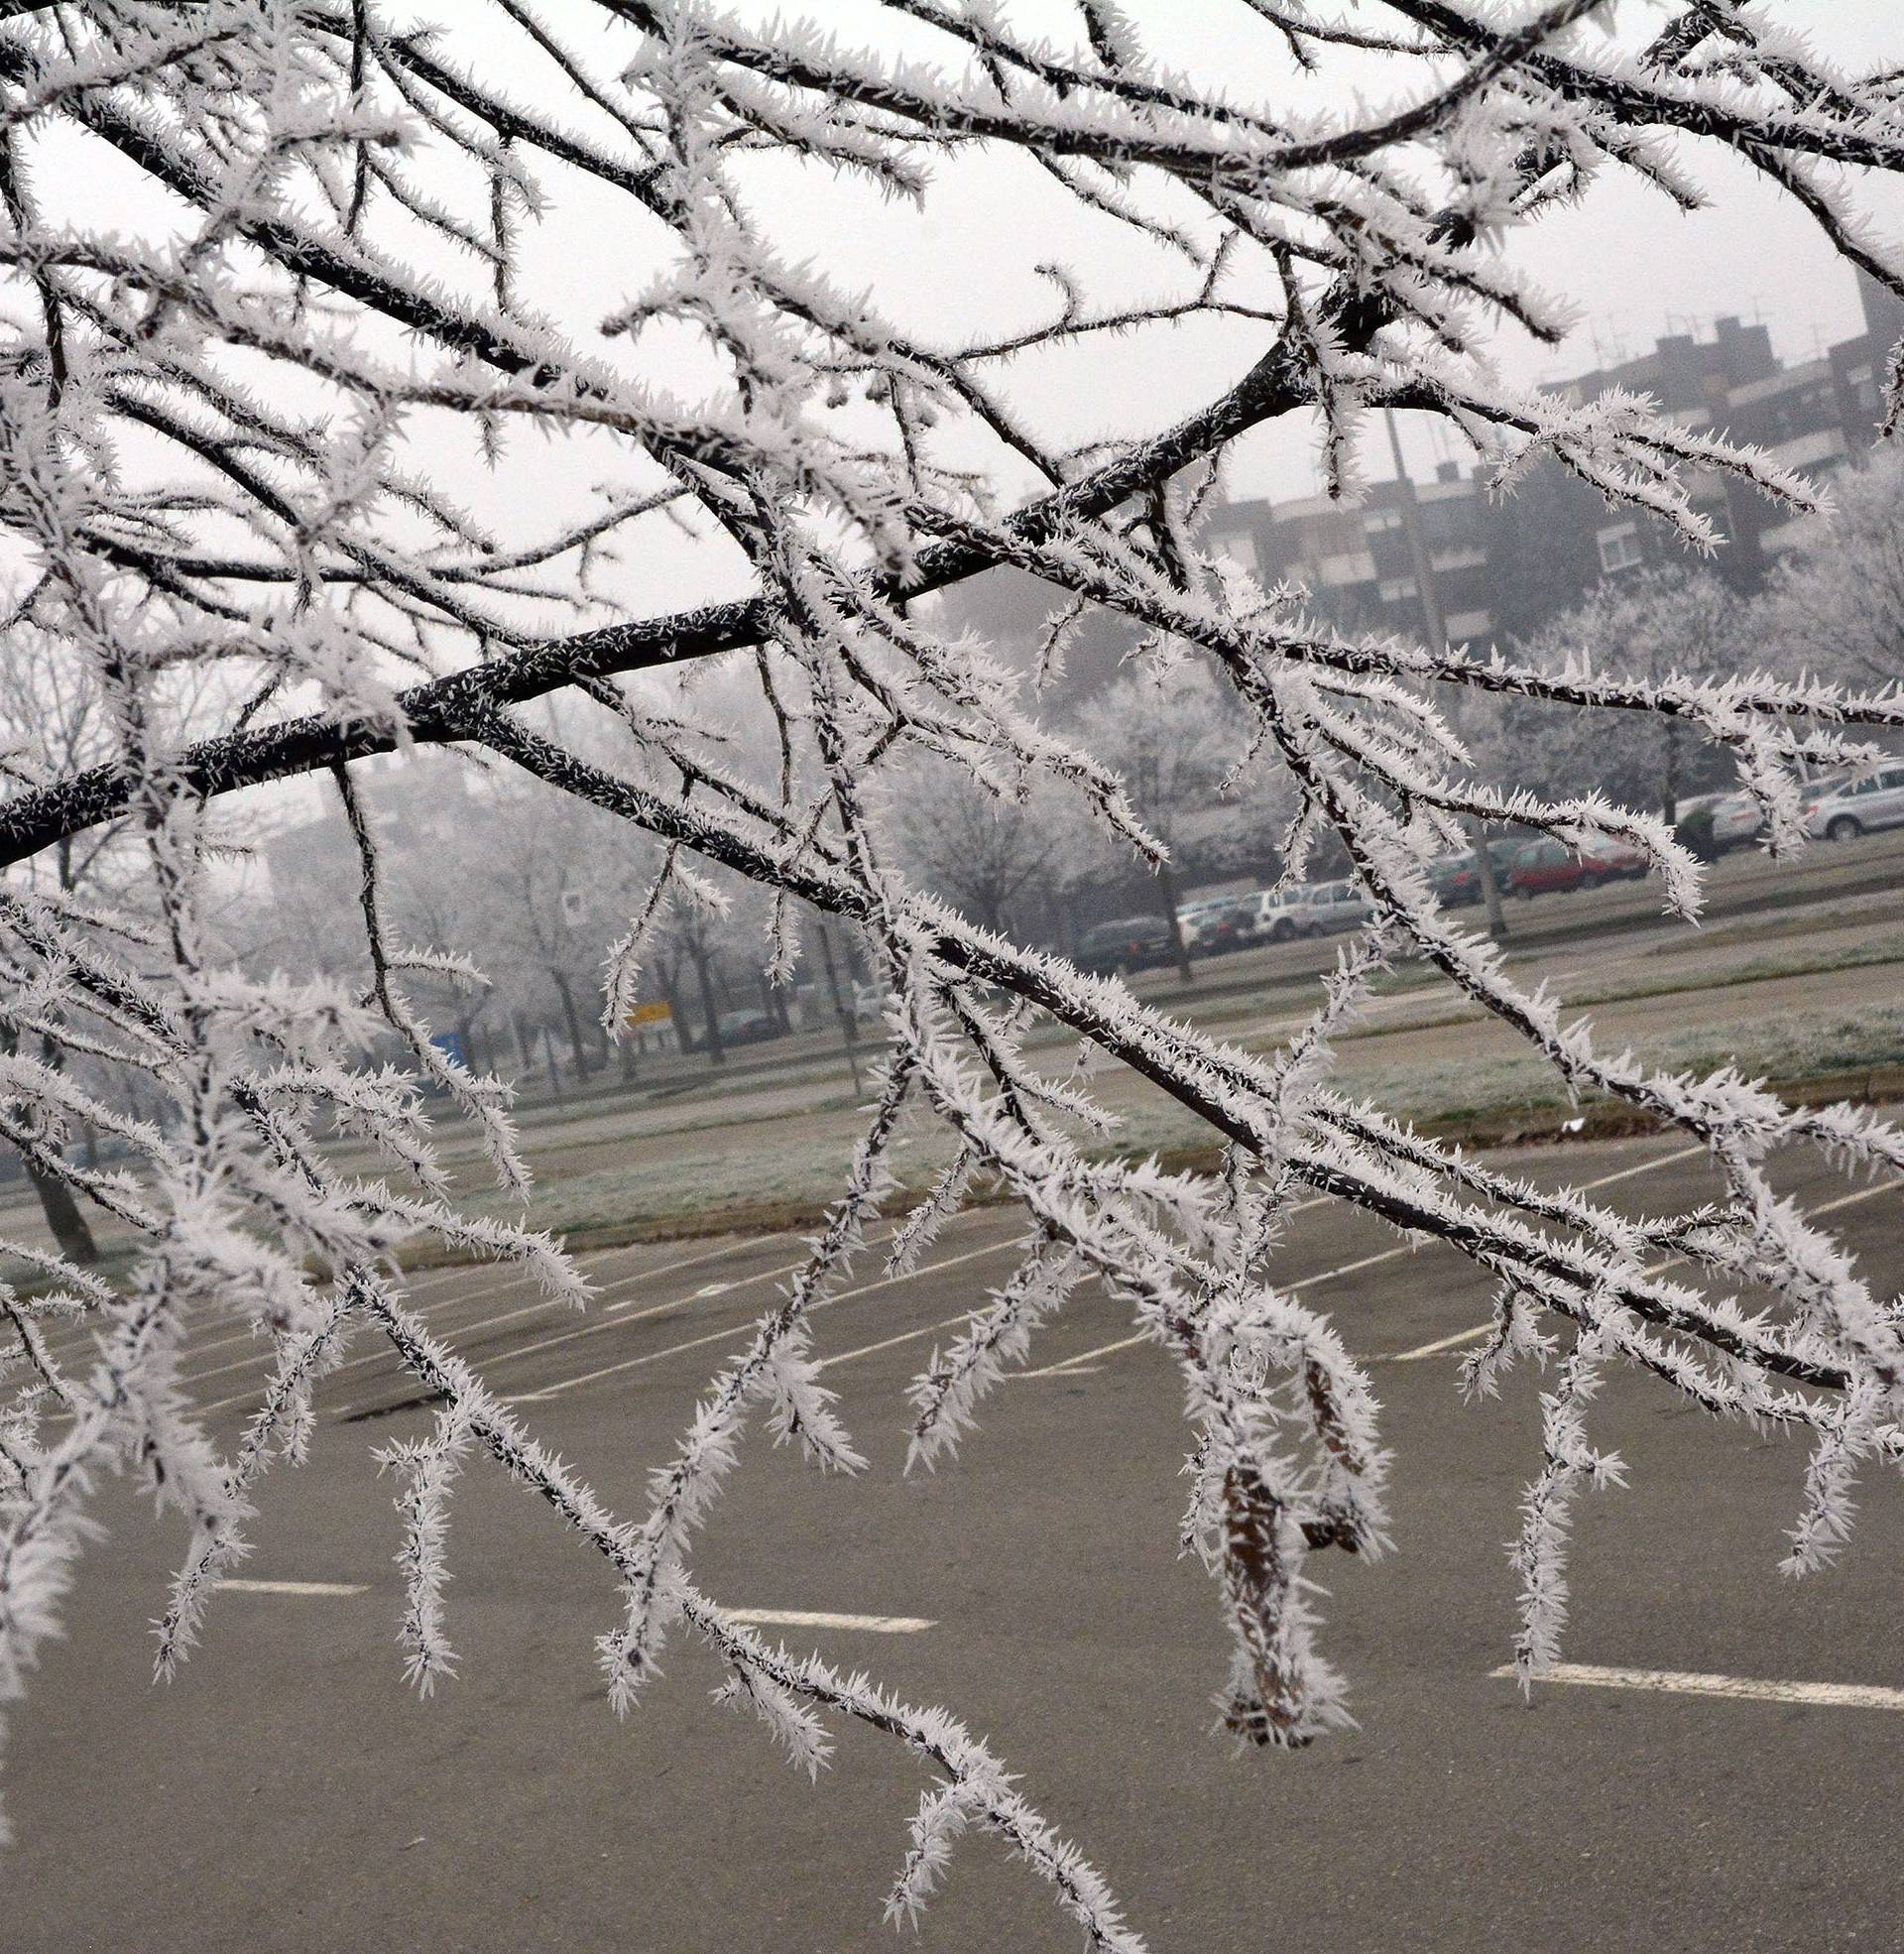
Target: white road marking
[
  {"x": 1065, "y": 1368},
  {"x": 614, "y": 1318},
  {"x": 1422, "y": 1350},
  {"x": 1850, "y": 1201},
  {"x": 1070, "y": 1365},
  {"x": 686, "y": 1261},
  {"x": 1842, "y": 1695},
  {"x": 722, "y": 1336},
  {"x": 618, "y": 1313},
  {"x": 820, "y": 1618},
  {"x": 293, "y": 1587},
  {"x": 536, "y": 1308},
  {"x": 618, "y": 1310},
  {"x": 887, "y": 1343},
  {"x": 539, "y": 1307},
  {"x": 1658, "y": 1269}
]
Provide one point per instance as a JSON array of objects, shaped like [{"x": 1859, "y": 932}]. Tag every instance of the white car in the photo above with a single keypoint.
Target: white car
[
  {"x": 1339, "y": 905},
  {"x": 1736, "y": 818},
  {"x": 1845, "y": 809},
  {"x": 1282, "y": 914}
]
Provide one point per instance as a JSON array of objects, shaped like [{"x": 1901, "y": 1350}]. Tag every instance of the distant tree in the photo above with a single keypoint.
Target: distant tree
[
  {"x": 1650, "y": 624},
  {"x": 1170, "y": 736},
  {"x": 1835, "y": 604},
  {"x": 977, "y": 845}
]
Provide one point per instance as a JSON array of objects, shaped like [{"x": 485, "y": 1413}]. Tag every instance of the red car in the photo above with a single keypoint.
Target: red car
[
  {"x": 1612, "y": 861},
  {"x": 1544, "y": 866}
]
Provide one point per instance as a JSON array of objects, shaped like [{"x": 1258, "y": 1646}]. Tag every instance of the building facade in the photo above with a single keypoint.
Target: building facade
[{"x": 1502, "y": 566}]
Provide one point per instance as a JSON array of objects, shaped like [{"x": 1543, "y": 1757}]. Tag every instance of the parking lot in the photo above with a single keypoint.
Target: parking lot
[{"x": 1033, "y": 1586}]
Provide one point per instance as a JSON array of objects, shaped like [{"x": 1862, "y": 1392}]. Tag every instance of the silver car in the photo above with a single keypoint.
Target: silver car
[
  {"x": 1849, "y": 807},
  {"x": 1736, "y": 818},
  {"x": 1338, "y": 906}
]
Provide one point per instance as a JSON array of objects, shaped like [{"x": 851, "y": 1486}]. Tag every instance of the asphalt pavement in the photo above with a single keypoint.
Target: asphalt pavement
[{"x": 1694, "y": 1790}]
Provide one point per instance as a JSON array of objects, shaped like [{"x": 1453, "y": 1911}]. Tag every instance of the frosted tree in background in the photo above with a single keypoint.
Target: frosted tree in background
[
  {"x": 1836, "y": 604},
  {"x": 978, "y": 847},
  {"x": 1654, "y": 624},
  {"x": 1169, "y": 735},
  {"x": 277, "y": 404}
]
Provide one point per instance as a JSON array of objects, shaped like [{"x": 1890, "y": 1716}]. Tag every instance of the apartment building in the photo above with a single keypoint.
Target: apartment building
[{"x": 1500, "y": 568}]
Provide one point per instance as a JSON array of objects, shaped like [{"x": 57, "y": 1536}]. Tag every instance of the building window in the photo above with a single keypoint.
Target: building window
[
  {"x": 1378, "y": 519},
  {"x": 1395, "y": 588},
  {"x": 1619, "y": 549},
  {"x": 1351, "y": 566}
]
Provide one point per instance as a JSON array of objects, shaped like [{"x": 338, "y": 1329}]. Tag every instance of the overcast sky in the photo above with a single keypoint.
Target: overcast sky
[
  {"x": 967, "y": 264},
  {"x": 1634, "y": 265}
]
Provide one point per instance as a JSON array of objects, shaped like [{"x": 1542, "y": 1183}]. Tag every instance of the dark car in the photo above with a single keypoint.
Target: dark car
[
  {"x": 1131, "y": 942},
  {"x": 1457, "y": 878},
  {"x": 1227, "y": 925},
  {"x": 747, "y": 1027}
]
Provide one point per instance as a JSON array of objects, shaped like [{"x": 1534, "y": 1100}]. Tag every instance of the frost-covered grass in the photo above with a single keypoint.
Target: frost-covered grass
[{"x": 743, "y": 1176}]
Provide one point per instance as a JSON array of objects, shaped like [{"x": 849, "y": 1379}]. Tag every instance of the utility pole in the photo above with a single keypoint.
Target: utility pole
[{"x": 1436, "y": 619}]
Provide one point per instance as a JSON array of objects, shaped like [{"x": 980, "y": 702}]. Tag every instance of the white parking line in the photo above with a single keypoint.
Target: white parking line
[
  {"x": 820, "y": 1618},
  {"x": 1070, "y": 1365},
  {"x": 1440, "y": 1344},
  {"x": 887, "y": 1343},
  {"x": 618, "y": 1310},
  {"x": 618, "y": 1313},
  {"x": 484, "y": 1324},
  {"x": 734, "y": 1331},
  {"x": 1658, "y": 1269},
  {"x": 621, "y": 1314},
  {"x": 1682, "y": 1683},
  {"x": 1065, "y": 1368},
  {"x": 293, "y": 1587},
  {"x": 686, "y": 1261}
]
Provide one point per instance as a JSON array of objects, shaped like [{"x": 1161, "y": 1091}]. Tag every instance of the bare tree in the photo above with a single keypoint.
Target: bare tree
[
  {"x": 51, "y": 728},
  {"x": 978, "y": 846},
  {"x": 1171, "y": 736},
  {"x": 281, "y": 412},
  {"x": 1654, "y": 624},
  {"x": 1836, "y": 602}
]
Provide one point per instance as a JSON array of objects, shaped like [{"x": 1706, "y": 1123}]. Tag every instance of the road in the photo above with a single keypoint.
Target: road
[{"x": 289, "y": 1794}]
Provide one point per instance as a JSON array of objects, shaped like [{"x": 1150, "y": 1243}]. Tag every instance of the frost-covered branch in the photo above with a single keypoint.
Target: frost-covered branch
[{"x": 263, "y": 481}]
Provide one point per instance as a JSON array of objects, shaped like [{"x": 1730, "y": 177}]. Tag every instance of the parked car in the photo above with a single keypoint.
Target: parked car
[
  {"x": 1282, "y": 914},
  {"x": 1338, "y": 906},
  {"x": 1734, "y": 820},
  {"x": 1230, "y": 923},
  {"x": 1457, "y": 877},
  {"x": 1613, "y": 861},
  {"x": 1546, "y": 866},
  {"x": 1131, "y": 942},
  {"x": 1845, "y": 807},
  {"x": 747, "y": 1027},
  {"x": 1543, "y": 867}
]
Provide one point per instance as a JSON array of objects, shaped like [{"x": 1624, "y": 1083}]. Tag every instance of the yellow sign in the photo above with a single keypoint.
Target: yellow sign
[{"x": 651, "y": 1013}]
